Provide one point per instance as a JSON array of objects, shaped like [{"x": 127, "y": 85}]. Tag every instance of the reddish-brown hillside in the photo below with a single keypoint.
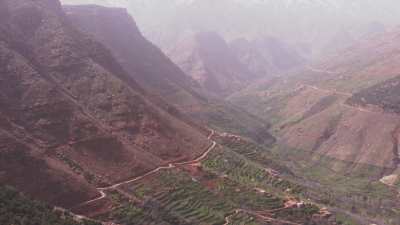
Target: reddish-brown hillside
[
  {"x": 207, "y": 58},
  {"x": 71, "y": 115},
  {"x": 146, "y": 63},
  {"x": 117, "y": 30},
  {"x": 344, "y": 107}
]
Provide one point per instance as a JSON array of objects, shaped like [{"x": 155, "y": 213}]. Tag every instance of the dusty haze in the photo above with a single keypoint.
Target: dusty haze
[{"x": 316, "y": 25}]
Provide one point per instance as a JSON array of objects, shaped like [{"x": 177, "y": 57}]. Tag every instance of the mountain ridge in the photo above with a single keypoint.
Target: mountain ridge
[
  {"x": 87, "y": 116},
  {"x": 163, "y": 79}
]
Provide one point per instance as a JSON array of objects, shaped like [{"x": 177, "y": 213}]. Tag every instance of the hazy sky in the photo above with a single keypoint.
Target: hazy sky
[{"x": 317, "y": 22}]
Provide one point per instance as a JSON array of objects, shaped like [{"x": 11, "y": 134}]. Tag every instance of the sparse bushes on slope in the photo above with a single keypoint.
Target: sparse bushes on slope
[{"x": 16, "y": 209}]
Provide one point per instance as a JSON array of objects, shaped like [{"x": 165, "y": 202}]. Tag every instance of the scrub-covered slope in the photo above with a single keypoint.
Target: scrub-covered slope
[
  {"x": 117, "y": 30},
  {"x": 70, "y": 115}
]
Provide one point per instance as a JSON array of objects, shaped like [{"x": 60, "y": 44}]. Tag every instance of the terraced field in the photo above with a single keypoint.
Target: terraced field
[
  {"x": 230, "y": 186},
  {"x": 306, "y": 180},
  {"x": 180, "y": 199}
]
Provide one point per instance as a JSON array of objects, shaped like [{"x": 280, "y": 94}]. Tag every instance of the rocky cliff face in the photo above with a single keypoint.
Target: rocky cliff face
[
  {"x": 207, "y": 58},
  {"x": 70, "y": 114},
  {"x": 144, "y": 62}
]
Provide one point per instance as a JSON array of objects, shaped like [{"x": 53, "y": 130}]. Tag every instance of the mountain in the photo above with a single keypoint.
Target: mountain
[
  {"x": 207, "y": 58},
  {"x": 337, "y": 121},
  {"x": 96, "y": 119},
  {"x": 141, "y": 59},
  {"x": 365, "y": 73},
  {"x": 165, "y": 22},
  {"x": 144, "y": 62},
  {"x": 317, "y": 100},
  {"x": 71, "y": 117},
  {"x": 268, "y": 56},
  {"x": 78, "y": 131}
]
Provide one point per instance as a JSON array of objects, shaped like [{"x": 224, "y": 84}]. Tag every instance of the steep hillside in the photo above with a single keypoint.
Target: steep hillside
[
  {"x": 165, "y": 22},
  {"x": 77, "y": 130},
  {"x": 71, "y": 116},
  {"x": 337, "y": 121},
  {"x": 207, "y": 58},
  {"x": 316, "y": 100},
  {"x": 115, "y": 28},
  {"x": 18, "y": 209},
  {"x": 384, "y": 95},
  {"x": 266, "y": 57}
]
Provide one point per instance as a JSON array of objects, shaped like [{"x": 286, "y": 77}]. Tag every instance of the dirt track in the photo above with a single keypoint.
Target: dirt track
[{"x": 102, "y": 190}]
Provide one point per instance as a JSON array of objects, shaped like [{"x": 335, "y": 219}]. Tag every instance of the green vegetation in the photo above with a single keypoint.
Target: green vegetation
[
  {"x": 89, "y": 177},
  {"x": 344, "y": 219},
  {"x": 248, "y": 198},
  {"x": 253, "y": 100},
  {"x": 176, "y": 197},
  {"x": 16, "y": 209},
  {"x": 129, "y": 214},
  {"x": 356, "y": 192},
  {"x": 243, "y": 218},
  {"x": 247, "y": 164},
  {"x": 176, "y": 194},
  {"x": 225, "y": 118},
  {"x": 241, "y": 175},
  {"x": 254, "y": 152},
  {"x": 248, "y": 175}
]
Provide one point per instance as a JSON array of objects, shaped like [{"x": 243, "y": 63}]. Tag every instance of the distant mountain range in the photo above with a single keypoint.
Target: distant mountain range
[
  {"x": 97, "y": 119},
  {"x": 164, "y": 22}
]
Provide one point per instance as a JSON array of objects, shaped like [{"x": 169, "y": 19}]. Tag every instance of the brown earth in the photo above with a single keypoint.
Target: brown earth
[
  {"x": 71, "y": 111},
  {"x": 207, "y": 58},
  {"x": 144, "y": 62},
  {"x": 343, "y": 107}
]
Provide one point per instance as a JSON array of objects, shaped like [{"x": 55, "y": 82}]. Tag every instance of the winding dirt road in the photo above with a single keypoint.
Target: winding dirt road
[
  {"x": 313, "y": 69},
  {"x": 345, "y": 94},
  {"x": 103, "y": 190},
  {"x": 259, "y": 215}
]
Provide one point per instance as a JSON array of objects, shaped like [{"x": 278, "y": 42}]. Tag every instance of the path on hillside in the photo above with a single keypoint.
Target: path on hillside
[
  {"x": 360, "y": 109},
  {"x": 257, "y": 214},
  {"x": 103, "y": 190},
  {"x": 329, "y": 91},
  {"x": 264, "y": 215},
  {"x": 313, "y": 69},
  {"x": 346, "y": 94}
]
